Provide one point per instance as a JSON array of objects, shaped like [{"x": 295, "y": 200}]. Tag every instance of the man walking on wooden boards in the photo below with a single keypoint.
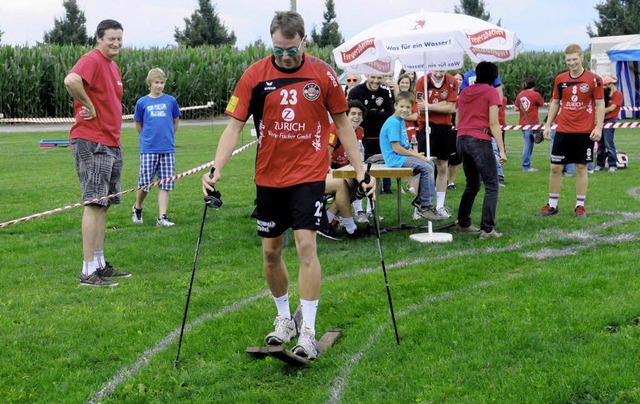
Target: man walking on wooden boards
[
  {"x": 289, "y": 95},
  {"x": 577, "y": 107}
]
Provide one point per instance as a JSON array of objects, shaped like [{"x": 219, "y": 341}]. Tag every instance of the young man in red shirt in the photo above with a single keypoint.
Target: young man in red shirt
[
  {"x": 442, "y": 92},
  {"x": 577, "y": 107},
  {"x": 290, "y": 95}
]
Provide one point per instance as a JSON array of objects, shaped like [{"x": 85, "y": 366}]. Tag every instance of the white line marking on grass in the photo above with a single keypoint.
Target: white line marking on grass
[
  {"x": 340, "y": 382},
  {"x": 548, "y": 235},
  {"x": 586, "y": 238},
  {"x": 123, "y": 373},
  {"x": 634, "y": 193}
]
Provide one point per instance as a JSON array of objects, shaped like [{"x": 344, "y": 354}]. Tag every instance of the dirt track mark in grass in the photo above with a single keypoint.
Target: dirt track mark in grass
[
  {"x": 341, "y": 381},
  {"x": 615, "y": 328}
]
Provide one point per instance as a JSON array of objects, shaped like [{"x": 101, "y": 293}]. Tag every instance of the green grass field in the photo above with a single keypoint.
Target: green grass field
[{"x": 547, "y": 314}]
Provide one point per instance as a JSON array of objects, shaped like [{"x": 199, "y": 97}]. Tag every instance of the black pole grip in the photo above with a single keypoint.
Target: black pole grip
[{"x": 212, "y": 199}]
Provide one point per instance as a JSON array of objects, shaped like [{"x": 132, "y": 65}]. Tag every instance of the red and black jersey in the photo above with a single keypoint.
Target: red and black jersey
[
  {"x": 447, "y": 92},
  {"x": 577, "y": 113},
  {"x": 339, "y": 156},
  {"x": 291, "y": 111}
]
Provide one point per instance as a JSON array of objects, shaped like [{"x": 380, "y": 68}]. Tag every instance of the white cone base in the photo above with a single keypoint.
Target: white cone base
[{"x": 432, "y": 237}]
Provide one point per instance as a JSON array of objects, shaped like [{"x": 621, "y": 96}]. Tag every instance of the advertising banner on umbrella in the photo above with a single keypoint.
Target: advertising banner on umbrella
[{"x": 426, "y": 41}]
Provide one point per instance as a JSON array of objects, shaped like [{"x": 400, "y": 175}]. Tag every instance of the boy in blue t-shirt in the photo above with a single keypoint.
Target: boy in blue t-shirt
[
  {"x": 397, "y": 152},
  {"x": 156, "y": 116}
]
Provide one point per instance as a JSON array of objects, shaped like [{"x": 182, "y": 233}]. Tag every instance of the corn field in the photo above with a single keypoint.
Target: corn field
[{"x": 31, "y": 78}]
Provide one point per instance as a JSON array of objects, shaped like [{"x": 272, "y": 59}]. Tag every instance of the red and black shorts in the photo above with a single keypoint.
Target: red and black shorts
[{"x": 298, "y": 207}]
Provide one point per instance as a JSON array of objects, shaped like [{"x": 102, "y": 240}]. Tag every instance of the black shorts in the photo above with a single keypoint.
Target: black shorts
[
  {"x": 572, "y": 148},
  {"x": 371, "y": 146},
  {"x": 442, "y": 142},
  {"x": 298, "y": 207}
]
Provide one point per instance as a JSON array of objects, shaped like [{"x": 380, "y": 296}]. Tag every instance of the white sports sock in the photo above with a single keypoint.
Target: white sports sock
[
  {"x": 282, "y": 304},
  {"x": 349, "y": 224},
  {"x": 330, "y": 215},
  {"x": 309, "y": 310},
  {"x": 98, "y": 256},
  {"x": 89, "y": 267},
  {"x": 440, "y": 199},
  {"x": 357, "y": 205}
]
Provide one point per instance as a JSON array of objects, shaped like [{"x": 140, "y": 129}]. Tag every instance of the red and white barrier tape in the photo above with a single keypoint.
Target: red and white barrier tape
[
  {"x": 73, "y": 120},
  {"x": 546, "y": 104},
  {"x": 153, "y": 184},
  {"x": 623, "y": 125}
]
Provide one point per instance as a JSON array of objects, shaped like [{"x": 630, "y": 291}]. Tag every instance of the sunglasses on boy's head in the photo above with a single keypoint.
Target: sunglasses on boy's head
[{"x": 289, "y": 52}]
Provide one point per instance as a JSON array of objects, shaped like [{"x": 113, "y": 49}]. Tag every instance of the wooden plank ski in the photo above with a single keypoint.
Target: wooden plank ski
[{"x": 279, "y": 352}]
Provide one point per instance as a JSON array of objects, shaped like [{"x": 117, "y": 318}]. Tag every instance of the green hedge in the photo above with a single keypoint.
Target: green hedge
[{"x": 31, "y": 78}]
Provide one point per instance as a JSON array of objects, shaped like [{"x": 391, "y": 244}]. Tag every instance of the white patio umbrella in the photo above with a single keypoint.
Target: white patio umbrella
[{"x": 426, "y": 41}]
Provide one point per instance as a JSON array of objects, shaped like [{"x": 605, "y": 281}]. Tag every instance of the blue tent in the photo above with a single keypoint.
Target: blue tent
[{"x": 627, "y": 58}]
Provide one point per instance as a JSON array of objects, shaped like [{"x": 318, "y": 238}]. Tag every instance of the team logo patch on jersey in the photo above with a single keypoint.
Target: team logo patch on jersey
[
  {"x": 379, "y": 101},
  {"x": 444, "y": 94},
  {"x": 233, "y": 103},
  {"x": 584, "y": 88},
  {"x": 311, "y": 91}
]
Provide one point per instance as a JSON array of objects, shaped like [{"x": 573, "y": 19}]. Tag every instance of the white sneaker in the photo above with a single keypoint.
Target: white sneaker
[
  {"x": 613, "y": 169},
  {"x": 444, "y": 212},
  {"x": 416, "y": 214},
  {"x": 307, "y": 346},
  {"x": 136, "y": 215},
  {"x": 361, "y": 217},
  {"x": 285, "y": 329},
  {"x": 492, "y": 234},
  {"x": 164, "y": 221}
]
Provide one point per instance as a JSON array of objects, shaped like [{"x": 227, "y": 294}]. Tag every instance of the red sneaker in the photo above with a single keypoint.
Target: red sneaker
[
  {"x": 548, "y": 211},
  {"x": 580, "y": 212}
]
